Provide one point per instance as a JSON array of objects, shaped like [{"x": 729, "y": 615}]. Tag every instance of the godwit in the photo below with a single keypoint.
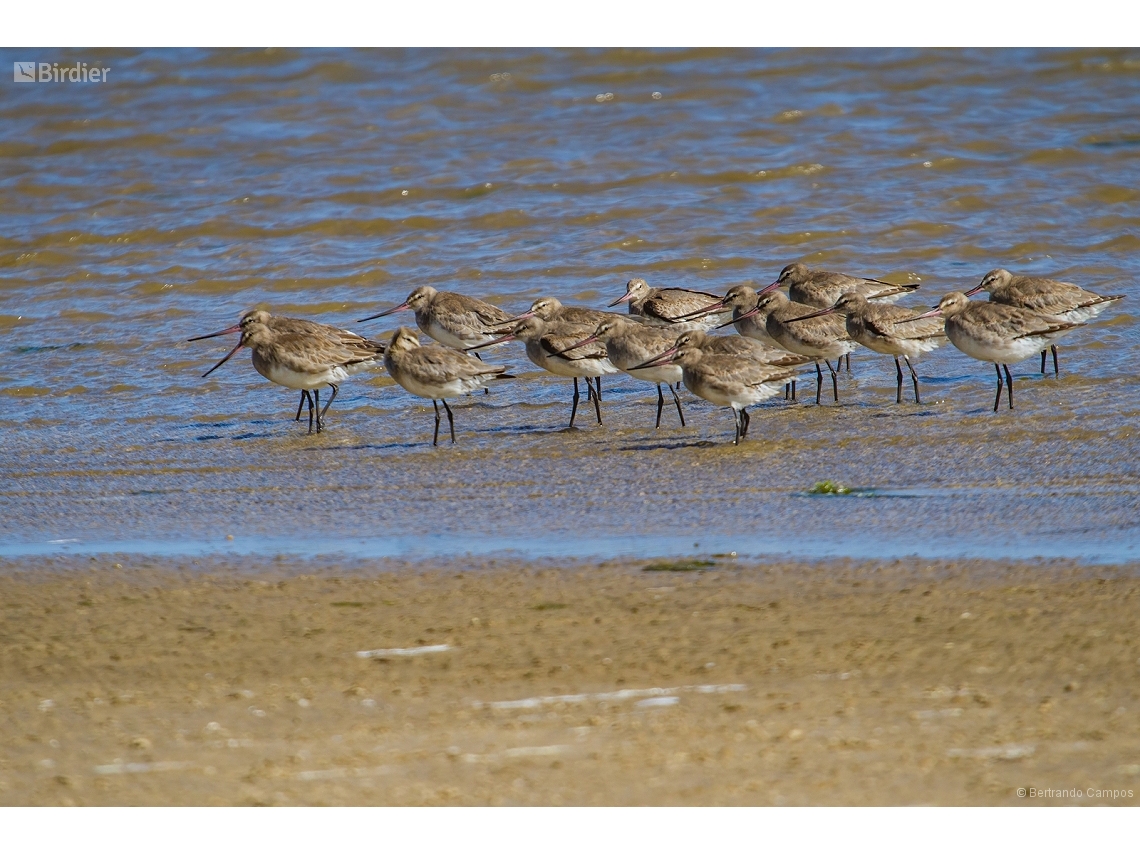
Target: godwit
[
  {"x": 628, "y": 344},
  {"x": 749, "y": 322},
  {"x": 1048, "y": 296},
  {"x": 740, "y": 346},
  {"x": 304, "y": 359},
  {"x": 893, "y": 330},
  {"x": 729, "y": 381},
  {"x": 551, "y": 310},
  {"x": 819, "y": 338},
  {"x": 294, "y": 325},
  {"x": 737, "y": 346},
  {"x": 435, "y": 372},
  {"x": 741, "y": 299},
  {"x": 548, "y": 345},
  {"x": 666, "y": 306},
  {"x": 1003, "y": 335},
  {"x": 455, "y": 320},
  {"x": 821, "y": 289}
]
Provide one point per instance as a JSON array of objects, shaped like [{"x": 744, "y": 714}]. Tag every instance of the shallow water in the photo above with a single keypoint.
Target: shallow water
[{"x": 196, "y": 184}]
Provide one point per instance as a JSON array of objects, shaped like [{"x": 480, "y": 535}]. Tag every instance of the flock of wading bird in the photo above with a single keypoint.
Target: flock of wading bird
[{"x": 665, "y": 339}]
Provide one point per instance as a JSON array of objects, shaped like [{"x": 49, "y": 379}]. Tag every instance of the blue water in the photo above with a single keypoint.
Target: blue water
[{"x": 196, "y": 184}]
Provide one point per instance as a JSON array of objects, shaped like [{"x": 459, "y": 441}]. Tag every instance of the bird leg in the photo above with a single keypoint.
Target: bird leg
[
  {"x": 309, "y": 398},
  {"x": 332, "y": 398},
  {"x": 848, "y": 363},
  {"x": 997, "y": 368},
  {"x": 301, "y": 403},
  {"x": 598, "y": 383},
  {"x": 450, "y": 421},
  {"x": 677, "y": 401},
  {"x": 660, "y": 405},
  {"x": 1009, "y": 385},
  {"x": 597, "y": 399},
  {"x": 574, "y": 408},
  {"x": 317, "y": 407},
  {"x": 818, "y": 381},
  {"x": 898, "y": 381},
  {"x": 475, "y": 353},
  {"x": 736, "y": 435},
  {"x": 834, "y": 379},
  {"x": 1056, "y": 370},
  {"x": 1044, "y": 353},
  {"x": 914, "y": 377},
  {"x": 747, "y": 420},
  {"x": 435, "y": 436}
]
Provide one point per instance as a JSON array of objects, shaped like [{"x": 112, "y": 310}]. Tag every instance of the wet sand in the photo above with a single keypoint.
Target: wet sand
[{"x": 910, "y": 682}]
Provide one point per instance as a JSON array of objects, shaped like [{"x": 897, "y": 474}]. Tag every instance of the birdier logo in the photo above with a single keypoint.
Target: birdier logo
[{"x": 52, "y": 72}]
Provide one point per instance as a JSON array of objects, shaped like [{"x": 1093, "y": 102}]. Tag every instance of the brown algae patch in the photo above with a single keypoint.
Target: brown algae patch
[{"x": 682, "y": 566}]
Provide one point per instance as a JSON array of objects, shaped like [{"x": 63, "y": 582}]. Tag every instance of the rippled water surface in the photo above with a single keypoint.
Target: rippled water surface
[{"x": 196, "y": 184}]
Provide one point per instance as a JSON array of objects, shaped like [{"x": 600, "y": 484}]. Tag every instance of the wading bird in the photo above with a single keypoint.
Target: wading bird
[
  {"x": 892, "y": 330},
  {"x": 436, "y": 372},
  {"x": 1048, "y": 296},
  {"x": 301, "y": 355},
  {"x": 1003, "y": 335}
]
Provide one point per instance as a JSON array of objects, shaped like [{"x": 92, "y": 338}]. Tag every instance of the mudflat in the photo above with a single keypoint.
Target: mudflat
[{"x": 489, "y": 682}]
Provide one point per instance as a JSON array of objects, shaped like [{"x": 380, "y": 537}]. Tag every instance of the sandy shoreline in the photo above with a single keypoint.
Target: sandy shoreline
[{"x": 908, "y": 682}]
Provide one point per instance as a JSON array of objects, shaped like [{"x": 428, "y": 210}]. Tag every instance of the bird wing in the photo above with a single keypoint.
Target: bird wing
[
  {"x": 308, "y": 353},
  {"x": 903, "y": 323},
  {"x": 555, "y": 343},
  {"x": 442, "y": 364},
  {"x": 1021, "y": 322},
  {"x": 472, "y": 312},
  {"x": 344, "y": 347},
  {"x": 876, "y": 289},
  {"x": 724, "y": 373},
  {"x": 669, "y": 304},
  {"x": 1048, "y": 296}
]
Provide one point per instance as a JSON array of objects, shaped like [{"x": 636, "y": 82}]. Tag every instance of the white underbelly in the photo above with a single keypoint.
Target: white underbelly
[
  {"x": 1002, "y": 352},
  {"x": 570, "y": 367},
  {"x": 831, "y": 350},
  {"x": 660, "y": 374},
  {"x": 738, "y": 399},
  {"x": 282, "y": 376},
  {"x": 911, "y": 348},
  {"x": 450, "y": 339},
  {"x": 1077, "y": 316},
  {"x": 450, "y": 389}
]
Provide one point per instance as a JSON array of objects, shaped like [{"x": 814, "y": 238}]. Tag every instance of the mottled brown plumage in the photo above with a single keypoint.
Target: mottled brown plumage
[
  {"x": 436, "y": 372},
  {"x": 821, "y": 288},
  {"x": 730, "y": 381},
  {"x": 628, "y": 344},
  {"x": 455, "y": 320},
  {"x": 823, "y": 337},
  {"x": 893, "y": 330},
  {"x": 1003, "y": 335},
  {"x": 1049, "y": 296},
  {"x": 550, "y": 346},
  {"x": 668, "y": 306},
  {"x": 301, "y": 354}
]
